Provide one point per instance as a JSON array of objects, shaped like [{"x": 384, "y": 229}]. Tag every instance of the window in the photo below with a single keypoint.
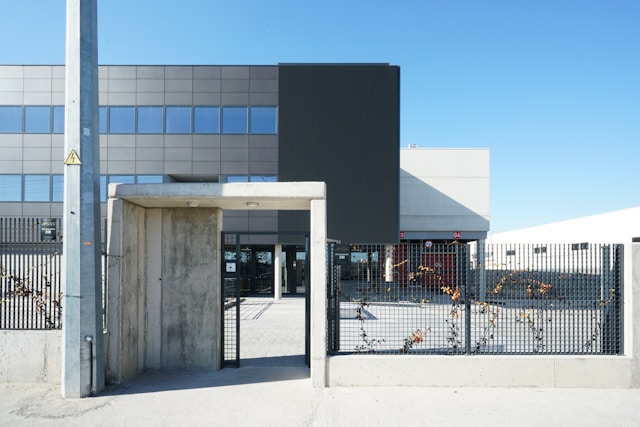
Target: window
[
  {"x": 206, "y": 120},
  {"x": 263, "y": 178},
  {"x": 234, "y": 120},
  {"x": 103, "y": 188},
  {"x": 237, "y": 178},
  {"x": 10, "y": 188},
  {"x": 511, "y": 252},
  {"x": 10, "y": 119},
  {"x": 122, "y": 179},
  {"x": 36, "y": 188},
  {"x": 149, "y": 179},
  {"x": 263, "y": 119},
  {"x": 58, "y": 119},
  {"x": 102, "y": 119},
  {"x": 37, "y": 119},
  {"x": 540, "y": 250},
  {"x": 150, "y": 120},
  {"x": 57, "y": 184},
  {"x": 580, "y": 246},
  {"x": 122, "y": 120},
  {"x": 178, "y": 119}
]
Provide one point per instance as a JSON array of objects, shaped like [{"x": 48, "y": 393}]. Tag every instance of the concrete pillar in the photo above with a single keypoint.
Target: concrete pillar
[
  {"x": 277, "y": 272},
  {"x": 388, "y": 263},
  {"x": 82, "y": 341},
  {"x": 318, "y": 293},
  {"x": 291, "y": 264}
]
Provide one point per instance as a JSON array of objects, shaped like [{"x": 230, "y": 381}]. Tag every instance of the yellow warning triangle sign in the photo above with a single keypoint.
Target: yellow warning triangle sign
[{"x": 73, "y": 159}]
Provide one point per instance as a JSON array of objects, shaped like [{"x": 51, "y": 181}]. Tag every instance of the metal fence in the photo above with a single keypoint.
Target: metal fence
[
  {"x": 424, "y": 298},
  {"x": 30, "y": 274}
]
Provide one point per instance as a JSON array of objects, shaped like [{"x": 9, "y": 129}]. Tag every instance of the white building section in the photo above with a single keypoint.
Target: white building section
[
  {"x": 444, "y": 194},
  {"x": 621, "y": 226}
]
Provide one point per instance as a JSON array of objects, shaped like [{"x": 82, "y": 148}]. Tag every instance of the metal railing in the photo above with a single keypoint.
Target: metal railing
[
  {"x": 30, "y": 274},
  {"x": 424, "y": 298}
]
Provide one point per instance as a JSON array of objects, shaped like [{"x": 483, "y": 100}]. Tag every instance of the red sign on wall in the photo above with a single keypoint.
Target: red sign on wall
[
  {"x": 457, "y": 235},
  {"x": 402, "y": 234}
]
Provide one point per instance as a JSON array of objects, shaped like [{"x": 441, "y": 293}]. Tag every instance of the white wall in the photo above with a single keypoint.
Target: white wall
[{"x": 444, "y": 190}]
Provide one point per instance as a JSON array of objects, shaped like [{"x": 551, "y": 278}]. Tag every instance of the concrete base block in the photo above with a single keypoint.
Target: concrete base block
[
  {"x": 479, "y": 371},
  {"x": 30, "y": 356}
]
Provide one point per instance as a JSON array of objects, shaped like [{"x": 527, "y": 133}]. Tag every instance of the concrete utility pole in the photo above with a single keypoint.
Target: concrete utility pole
[{"x": 82, "y": 341}]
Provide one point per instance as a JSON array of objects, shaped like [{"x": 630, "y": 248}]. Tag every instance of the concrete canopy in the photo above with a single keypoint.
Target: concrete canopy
[
  {"x": 165, "y": 281},
  {"x": 238, "y": 196}
]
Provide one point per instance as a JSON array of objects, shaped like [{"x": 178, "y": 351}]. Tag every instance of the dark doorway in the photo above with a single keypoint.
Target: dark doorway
[{"x": 255, "y": 268}]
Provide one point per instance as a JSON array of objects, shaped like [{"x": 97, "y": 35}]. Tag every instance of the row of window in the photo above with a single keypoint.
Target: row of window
[
  {"x": 543, "y": 249},
  {"x": 50, "y": 188},
  {"x": 146, "y": 119}
]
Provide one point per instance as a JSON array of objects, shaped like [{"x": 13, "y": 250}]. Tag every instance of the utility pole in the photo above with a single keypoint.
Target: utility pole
[{"x": 82, "y": 340}]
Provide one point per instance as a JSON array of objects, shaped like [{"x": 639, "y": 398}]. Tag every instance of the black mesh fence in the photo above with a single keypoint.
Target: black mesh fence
[
  {"x": 31, "y": 273},
  {"x": 425, "y": 298}
]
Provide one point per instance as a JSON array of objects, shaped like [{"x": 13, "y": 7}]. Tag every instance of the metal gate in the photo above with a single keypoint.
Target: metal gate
[{"x": 236, "y": 286}]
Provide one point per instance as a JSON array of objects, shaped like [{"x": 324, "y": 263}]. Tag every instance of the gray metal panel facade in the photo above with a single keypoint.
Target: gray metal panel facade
[{"x": 341, "y": 124}]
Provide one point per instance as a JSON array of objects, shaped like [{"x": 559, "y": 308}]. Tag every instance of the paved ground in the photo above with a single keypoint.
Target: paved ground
[{"x": 272, "y": 388}]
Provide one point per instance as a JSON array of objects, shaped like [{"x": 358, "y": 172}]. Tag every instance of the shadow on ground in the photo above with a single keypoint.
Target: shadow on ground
[{"x": 251, "y": 371}]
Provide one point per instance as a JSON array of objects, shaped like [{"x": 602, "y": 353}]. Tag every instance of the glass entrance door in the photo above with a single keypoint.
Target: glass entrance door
[{"x": 255, "y": 267}]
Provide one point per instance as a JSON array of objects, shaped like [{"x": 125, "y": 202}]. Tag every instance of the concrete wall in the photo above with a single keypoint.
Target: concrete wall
[
  {"x": 442, "y": 191},
  {"x": 191, "y": 301},
  {"x": 164, "y": 300},
  {"x": 30, "y": 356}
]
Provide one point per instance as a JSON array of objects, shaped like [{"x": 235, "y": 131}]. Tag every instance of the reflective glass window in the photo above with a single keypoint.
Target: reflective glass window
[
  {"x": 178, "y": 119},
  {"x": 58, "y": 119},
  {"x": 237, "y": 178},
  {"x": 149, "y": 119},
  {"x": 234, "y": 120},
  {"x": 10, "y": 119},
  {"x": 57, "y": 184},
  {"x": 149, "y": 179},
  {"x": 36, "y": 188},
  {"x": 37, "y": 119},
  {"x": 102, "y": 119},
  {"x": 263, "y": 178},
  {"x": 206, "y": 120},
  {"x": 10, "y": 188},
  {"x": 103, "y": 188},
  {"x": 263, "y": 119},
  {"x": 122, "y": 120},
  {"x": 122, "y": 179}
]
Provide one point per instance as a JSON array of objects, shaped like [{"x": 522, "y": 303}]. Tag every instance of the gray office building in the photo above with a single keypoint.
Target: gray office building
[{"x": 337, "y": 123}]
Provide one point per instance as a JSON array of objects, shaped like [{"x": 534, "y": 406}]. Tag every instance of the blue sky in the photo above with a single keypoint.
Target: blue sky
[{"x": 552, "y": 87}]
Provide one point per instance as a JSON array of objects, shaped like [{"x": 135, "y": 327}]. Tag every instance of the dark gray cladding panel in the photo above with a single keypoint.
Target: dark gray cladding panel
[{"x": 341, "y": 124}]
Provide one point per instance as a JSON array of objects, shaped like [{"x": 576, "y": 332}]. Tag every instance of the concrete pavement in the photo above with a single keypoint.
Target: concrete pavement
[
  {"x": 271, "y": 396},
  {"x": 273, "y": 388}
]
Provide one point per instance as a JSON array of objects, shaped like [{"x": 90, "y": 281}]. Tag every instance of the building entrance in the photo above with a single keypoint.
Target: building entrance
[{"x": 254, "y": 278}]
